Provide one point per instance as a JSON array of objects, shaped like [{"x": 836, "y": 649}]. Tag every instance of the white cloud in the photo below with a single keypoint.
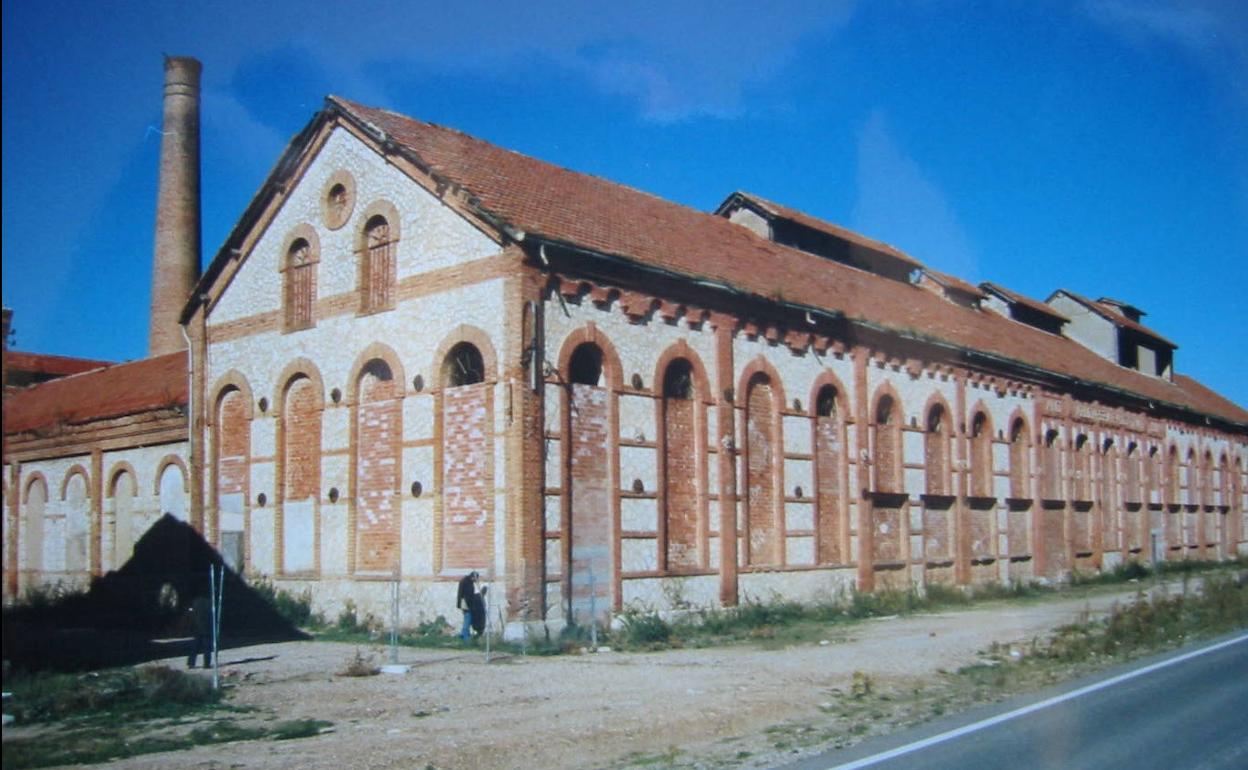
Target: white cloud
[{"x": 899, "y": 204}]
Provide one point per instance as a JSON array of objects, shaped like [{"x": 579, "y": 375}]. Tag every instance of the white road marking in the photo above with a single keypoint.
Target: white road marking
[{"x": 983, "y": 724}]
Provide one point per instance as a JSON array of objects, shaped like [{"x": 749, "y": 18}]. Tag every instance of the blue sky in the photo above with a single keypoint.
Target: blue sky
[{"x": 1094, "y": 145}]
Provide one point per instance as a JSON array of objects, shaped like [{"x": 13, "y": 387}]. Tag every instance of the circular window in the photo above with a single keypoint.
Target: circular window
[{"x": 338, "y": 199}]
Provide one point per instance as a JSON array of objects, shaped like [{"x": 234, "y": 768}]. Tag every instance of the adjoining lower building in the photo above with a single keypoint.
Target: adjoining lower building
[{"x": 418, "y": 354}]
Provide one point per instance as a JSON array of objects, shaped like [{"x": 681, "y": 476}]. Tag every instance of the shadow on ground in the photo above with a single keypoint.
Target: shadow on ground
[{"x": 139, "y": 612}]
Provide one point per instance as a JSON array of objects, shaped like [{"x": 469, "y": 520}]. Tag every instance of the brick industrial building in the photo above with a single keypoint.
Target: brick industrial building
[{"x": 418, "y": 354}]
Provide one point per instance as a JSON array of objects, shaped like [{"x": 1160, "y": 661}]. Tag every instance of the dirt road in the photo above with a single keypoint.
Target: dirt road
[{"x": 454, "y": 711}]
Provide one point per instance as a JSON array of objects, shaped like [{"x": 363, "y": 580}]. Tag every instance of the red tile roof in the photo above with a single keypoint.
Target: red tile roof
[
  {"x": 117, "y": 391},
  {"x": 548, "y": 202},
  {"x": 1014, "y": 297},
  {"x": 1114, "y": 316},
  {"x": 781, "y": 211},
  {"x": 955, "y": 283},
  {"x": 42, "y": 363}
]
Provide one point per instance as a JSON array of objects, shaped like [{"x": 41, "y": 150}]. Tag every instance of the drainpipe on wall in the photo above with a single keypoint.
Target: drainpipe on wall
[{"x": 190, "y": 426}]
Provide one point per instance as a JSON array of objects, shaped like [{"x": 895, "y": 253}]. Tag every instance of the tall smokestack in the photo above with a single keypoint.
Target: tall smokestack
[{"x": 175, "y": 267}]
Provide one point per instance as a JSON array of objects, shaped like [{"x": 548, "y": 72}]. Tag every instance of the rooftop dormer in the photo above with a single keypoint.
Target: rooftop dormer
[
  {"x": 793, "y": 228},
  {"x": 1022, "y": 308},
  {"x": 951, "y": 288},
  {"x": 1112, "y": 329}
]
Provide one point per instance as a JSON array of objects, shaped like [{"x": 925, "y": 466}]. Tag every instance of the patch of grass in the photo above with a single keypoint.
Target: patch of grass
[
  {"x": 294, "y": 607},
  {"x": 109, "y": 695},
  {"x": 360, "y": 665},
  {"x": 642, "y": 629},
  {"x": 299, "y": 728}
]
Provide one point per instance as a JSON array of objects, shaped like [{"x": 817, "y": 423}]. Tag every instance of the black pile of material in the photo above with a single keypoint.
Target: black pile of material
[{"x": 140, "y": 612}]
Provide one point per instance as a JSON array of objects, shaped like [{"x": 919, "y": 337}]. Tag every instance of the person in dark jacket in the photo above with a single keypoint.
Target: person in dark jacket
[
  {"x": 201, "y": 615},
  {"x": 471, "y": 601}
]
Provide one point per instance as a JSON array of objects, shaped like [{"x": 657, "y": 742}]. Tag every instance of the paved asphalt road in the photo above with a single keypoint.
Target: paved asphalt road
[{"x": 1182, "y": 710}]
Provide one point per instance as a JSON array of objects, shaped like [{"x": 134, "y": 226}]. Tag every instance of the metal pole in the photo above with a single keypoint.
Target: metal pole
[
  {"x": 216, "y": 589},
  {"x": 485, "y": 607},
  {"x": 593, "y": 611},
  {"x": 394, "y": 621}
]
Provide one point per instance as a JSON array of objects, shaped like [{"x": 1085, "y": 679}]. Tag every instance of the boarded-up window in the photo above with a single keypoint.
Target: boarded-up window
[
  {"x": 300, "y": 280},
  {"x": 467, "y": 461},
  {"x": 1020, "y": 482},
  {"x": 680, "y": 467},
  {"x": 981, "y": 455},
  {"x": 301, "y": 474},
  {"x": 1052, "y": 466},
  {"x": 233, "y": 445},
  {"x": 378, "y": 273},
  {"x": 33, "y": 525},
  {"x": 378, "y": 440},
  {"x": 829, "y": 456},
  {"x": 1131, "y": 492},
  {"x": 936, "y": 452},
  {"x": 887, "y": 446},
  {"x": 1083, "y": 468},
  {"x": 763, "y": 546}
]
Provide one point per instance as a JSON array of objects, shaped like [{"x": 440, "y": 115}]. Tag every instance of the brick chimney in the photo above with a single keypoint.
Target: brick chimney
[{"x": 175, "y": 266}]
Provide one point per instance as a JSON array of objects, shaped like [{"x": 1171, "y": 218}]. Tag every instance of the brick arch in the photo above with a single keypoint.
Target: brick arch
[
  {"x": 677, "y": 350},
  {"x": 308, "y": 233},
  {"x": 760, "y": 365},
  {"x": 376, "y": 351},
  {"x": 473, "y": 336},
  {"x": 231, "y": 380},
  {"x": 299, "y": 367},
  {"x": 164, "y": 463},
  {"x": 76, "y": 470},
  {"x": 379, "y": 207},
  {"x": 35, "y": 478},
  {"x": 828, "y": 377},
  {"x": 612, "y": 370},
  {"x": 115, "y": 474}
]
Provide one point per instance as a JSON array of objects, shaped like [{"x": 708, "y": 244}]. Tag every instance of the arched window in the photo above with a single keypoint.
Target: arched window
[
  {"x": 463, "y": 366},
  {"x": 1083, "y": 468},
  {"x": 1191, "y": 479},
  {"x": 936, "y": 451},
  {"x": 301, "y": 474},
  {"x": 377, "y": 274},
  {"x": 1171, "y": 480},
  {"x": 828, "y": 463},
  {"x": 1109, "y": 495},
  {"x": 467, "y": 472},
  {"x": 680, "y": 468},
  {"x": 585, "y": 367},
  {"x": 1132, "y": 493},
  {"x": 121, "y": 490},
  {"x": 379, "y": 438},
  {"x": 1224, "y": 482},
  {"x": 1052, "y": 466},
  {"x": 1020, "y": 488},
  {"x": 174, "y": 498},
  {"x": 77, "y": 522},
  {"x": 764, "y": 544},
  {"x": 887, "y": 446},
  {"x": 299, "y": 277},
  {"x": 1152, "y": 476},
  {"x": 981, "y": 456},
  {"x": 33, "y": 525},
  {"x": 1206, "y": 479},
  {"x": 231, "y": 452}
]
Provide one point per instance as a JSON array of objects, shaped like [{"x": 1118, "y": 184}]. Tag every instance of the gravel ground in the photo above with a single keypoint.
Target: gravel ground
[{"x": 454, "y": 711}]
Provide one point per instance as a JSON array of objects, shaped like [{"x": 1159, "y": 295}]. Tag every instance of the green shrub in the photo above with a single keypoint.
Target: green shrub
[
  {"x": 294, "y": 607},
  {"x": 642, "y": 629}
]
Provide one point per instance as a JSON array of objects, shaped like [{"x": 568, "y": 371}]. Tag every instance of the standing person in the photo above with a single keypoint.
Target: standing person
[
  {"x": 201, "y": 615},
  {"x": 468, "y": 586}
]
